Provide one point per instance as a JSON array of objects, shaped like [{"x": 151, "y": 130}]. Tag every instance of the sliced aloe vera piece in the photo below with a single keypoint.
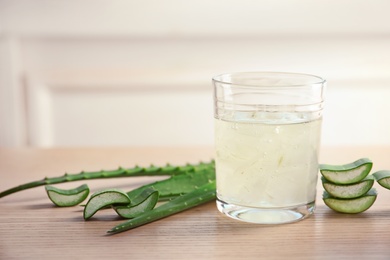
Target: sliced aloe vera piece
[
  {"x": 104, "y": 198},
  {"x": 348, "y": 191},
  {"x": 356, "y": 205},
  {"x": 142, "y": 203},
  {"x": 67, "y": 198},
  {"x": 383, "y": 178},
  {"x": 347, "y": 173}
]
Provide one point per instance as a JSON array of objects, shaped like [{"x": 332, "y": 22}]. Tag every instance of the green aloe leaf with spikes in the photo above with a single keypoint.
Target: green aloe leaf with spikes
[
  {"x": 200, "y": 195},
  {"x": 167, "y": 170},
  {"x": 188, "y": 186}
]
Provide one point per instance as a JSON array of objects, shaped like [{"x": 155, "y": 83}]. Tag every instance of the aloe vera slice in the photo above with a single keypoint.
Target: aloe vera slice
[
  {"x": 104, "y": 198},
  {"x": 67, "y": 198},
  {"x": 347, "y": 173},
  {"x": 348, "y": 191},
  {"x": 356, "y": 205},
  {"x": 383, "y": 178},
  {"x": 142, "y": 203},
  {"x": 197, "y": 197}
]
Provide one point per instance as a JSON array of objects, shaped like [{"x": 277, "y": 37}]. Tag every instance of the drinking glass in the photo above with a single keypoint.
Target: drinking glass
[{"x": 267, "y": 138}]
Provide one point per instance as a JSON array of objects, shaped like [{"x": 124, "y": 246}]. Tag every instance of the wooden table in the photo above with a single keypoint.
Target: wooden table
[{"x": 32, "y": 228}]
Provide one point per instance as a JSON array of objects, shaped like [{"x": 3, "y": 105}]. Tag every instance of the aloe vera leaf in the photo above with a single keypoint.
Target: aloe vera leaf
[
  {"x": 145, "y": 202},
  {"x": 67, "y": 198},
  {"x": 356, "y": 205},
  {"x": 383, "y": 178},
  {"x": 104, "y": 198},
  {"x": 347, "y": 173},
  {"x": 197, "y": 197},
  {"x": 348, "y": 191},
  {"x": 167, "y": 170},
  {"x": 177, "y": 185}
]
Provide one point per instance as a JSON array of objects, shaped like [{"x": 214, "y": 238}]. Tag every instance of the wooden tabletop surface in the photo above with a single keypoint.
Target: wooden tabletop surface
[{"x": 32, "y": 228}]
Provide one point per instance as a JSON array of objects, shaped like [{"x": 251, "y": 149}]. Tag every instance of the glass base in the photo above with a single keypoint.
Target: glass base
[{"x": 266, "y": 215}]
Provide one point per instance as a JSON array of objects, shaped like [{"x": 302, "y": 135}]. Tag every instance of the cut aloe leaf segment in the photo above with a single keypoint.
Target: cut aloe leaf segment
[
  {"x": 347, "y": 173},
  {"x": 351, "y": 206},
  {"x": 146, "y": 201},
  {"x": 197, "y": 197},
  {"x": 383, "y": 178},
  {"x": 104, "y": 198},
  {"x": 67, "y": 198},
  {"x": 348, "y": 191}
]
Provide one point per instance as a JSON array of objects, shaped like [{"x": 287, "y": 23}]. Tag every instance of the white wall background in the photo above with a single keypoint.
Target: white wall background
[{"x": 122, "y": 73}]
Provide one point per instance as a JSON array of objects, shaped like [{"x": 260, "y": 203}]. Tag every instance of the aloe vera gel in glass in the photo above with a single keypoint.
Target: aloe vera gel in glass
[{"x": 267, "y": 137}]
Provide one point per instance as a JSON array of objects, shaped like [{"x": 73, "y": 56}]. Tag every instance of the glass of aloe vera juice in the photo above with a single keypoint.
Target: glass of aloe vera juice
[{"x": 267, "y": 138}]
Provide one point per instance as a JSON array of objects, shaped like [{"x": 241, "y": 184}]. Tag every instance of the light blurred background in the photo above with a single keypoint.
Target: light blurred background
[{"x": 138, "y": 73}]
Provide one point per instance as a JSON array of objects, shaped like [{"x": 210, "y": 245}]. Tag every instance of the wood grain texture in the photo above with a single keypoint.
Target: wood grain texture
[{"x": 32, "y": 228}]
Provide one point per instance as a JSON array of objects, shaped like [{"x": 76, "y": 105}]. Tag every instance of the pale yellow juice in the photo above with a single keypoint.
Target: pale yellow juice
[{"x": 262, "y": 164}]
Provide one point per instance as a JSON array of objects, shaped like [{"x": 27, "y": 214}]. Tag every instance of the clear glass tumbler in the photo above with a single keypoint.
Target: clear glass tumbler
[{"x": 267, "y": 138}]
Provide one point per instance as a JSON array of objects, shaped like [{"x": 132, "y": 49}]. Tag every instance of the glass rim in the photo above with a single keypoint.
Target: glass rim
[{"x": 317, "y": 80}]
